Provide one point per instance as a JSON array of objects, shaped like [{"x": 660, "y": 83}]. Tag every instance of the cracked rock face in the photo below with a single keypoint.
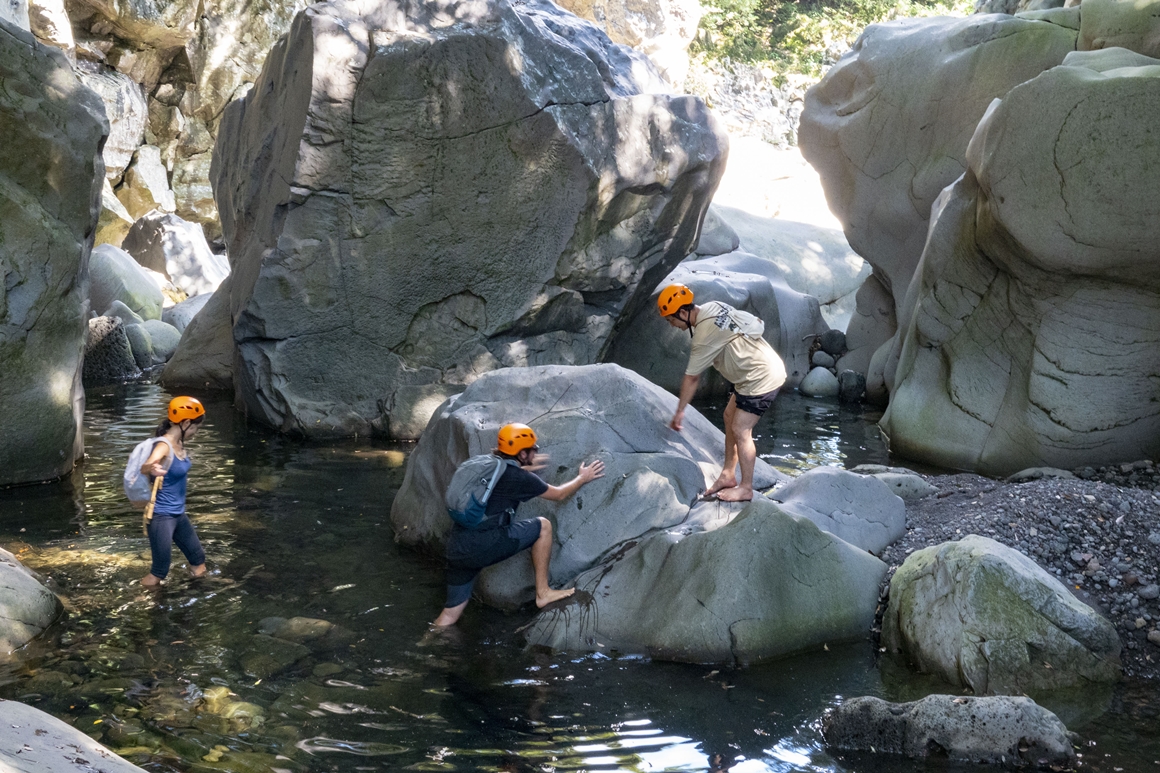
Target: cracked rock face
[
  {"x": 51, "y": 175},
  {"x": 652, "y": 474},
  {"x": 764, "y": 584},
  {"x": 1031, "y": 335},
  {"x": 26, "y": 606},
  {"x": 412, "y": 201},
  {"x": 1002, "y": 730},
  {"x": 659, "y": 352},
  {"x": 979, "y": 614},
  {"x": 887, "y": 128}
]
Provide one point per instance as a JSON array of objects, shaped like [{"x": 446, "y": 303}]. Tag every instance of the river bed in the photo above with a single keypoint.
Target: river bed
[{"x": 186, "y": 679}]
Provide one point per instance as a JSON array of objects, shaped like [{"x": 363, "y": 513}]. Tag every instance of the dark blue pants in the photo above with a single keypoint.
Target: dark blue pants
[{"x": 164, "y": 530}]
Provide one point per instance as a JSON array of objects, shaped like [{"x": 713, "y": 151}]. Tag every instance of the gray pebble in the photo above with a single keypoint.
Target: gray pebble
[
  {"x": 1154, "y": 538},
  {"x": 1149, "y": 592}
]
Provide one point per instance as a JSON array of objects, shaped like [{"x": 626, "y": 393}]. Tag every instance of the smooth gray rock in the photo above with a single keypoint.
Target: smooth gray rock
[
  {"x": 834, "y": 343},
  {"x": 126, "y": 113},
  {"x": 122, "y": 312},
  {"x": 108, "y": 355},
  {"x": 859, "y": 509},
  {"x": 50, "y": 186},
  {"x": 164, "y": 337},
  {"x": 819, "y": 382},
  {"x": 660, "y": 352},
  {"x": 717, "y": 237},
  {"x": 140, "y": 344},
  {"x": 1039, "y": 473},
  {"x": 872, "y": 325},
  {"x": 1031, "y": 337},
  {"x": 15, "y": 13},
  {"x": 908, "y": 486},
  {"x": 765, "y": 584},
  {"x": 979, "y": 614},
  {"x": 851, "y": 387},
  {"x": 205, "y": 356},
  {"x": 413, "y": 406},
  {"x": 652, "y": 474},
  {"x": 508, "y": 217},
  {"x": 1002, "y": 730},
  {"x": 176, "y": 248},
  {"x": 886, "y": 140},
  {"x": 26, "y": 606},
  {"x": 115, "y": 276},
  {"x": 181, "y": 314},
  {"x": 820, "y": 359},
  {"x": 32, "y": 741}
]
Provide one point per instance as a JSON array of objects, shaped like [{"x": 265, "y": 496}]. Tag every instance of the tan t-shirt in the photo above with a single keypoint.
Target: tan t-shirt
[{"x": 748, "y": 362}]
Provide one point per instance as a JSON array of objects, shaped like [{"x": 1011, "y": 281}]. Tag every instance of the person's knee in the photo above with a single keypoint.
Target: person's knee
[{"x": 545, "y": 528}]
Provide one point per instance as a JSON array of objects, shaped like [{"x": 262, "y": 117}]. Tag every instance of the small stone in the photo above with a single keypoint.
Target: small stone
[
  {"x": 821, "y": 359},
  {"x": 1154, "y": 637},
  {"x": 1140, "y": 623},
  {"x": 1154, "y": 538},
  {"x": 1149, "y": 592},
  {"x": 1131, "y": 578}
]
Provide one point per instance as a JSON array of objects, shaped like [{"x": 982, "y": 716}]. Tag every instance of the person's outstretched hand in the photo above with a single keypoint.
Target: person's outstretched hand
[
  {"x": 678, "y": 419},
  {"x": 539, "y": 462},
  {"x": 590, "y": 472}
]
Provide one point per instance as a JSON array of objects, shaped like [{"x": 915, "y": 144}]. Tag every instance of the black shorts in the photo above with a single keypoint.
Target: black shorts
[
  {"x": 471, "y": 550},
  {"x": 755, "y": 404}
]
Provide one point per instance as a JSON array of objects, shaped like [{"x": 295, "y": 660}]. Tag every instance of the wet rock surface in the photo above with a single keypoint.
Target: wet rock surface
[
  {"x": 1098, "y": 533},
  {"x": 32, "y": 741}
]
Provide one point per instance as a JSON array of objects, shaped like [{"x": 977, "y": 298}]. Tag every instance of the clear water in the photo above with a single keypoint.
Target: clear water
[{"x": 298, "y": 529}]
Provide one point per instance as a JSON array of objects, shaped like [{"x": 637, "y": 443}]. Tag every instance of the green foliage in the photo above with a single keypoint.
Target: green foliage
[{"x": 795, "y": 35}]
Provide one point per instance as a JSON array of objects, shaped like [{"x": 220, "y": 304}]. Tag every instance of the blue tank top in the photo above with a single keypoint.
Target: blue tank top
[{"x": 171, "y": 495}]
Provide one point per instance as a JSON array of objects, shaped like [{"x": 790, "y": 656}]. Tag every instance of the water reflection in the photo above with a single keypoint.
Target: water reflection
[{"x": 307, "y": 648}]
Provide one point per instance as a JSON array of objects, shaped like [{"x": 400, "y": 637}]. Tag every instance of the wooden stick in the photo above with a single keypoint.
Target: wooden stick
[{"x": 147, "y": 516}]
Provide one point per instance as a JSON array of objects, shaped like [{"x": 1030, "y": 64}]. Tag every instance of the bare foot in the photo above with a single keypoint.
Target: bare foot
[
  {"x": 723, "y": 482},
  {"x": 736, "y": 494},
  {"x": 150, "y": 581},
  {"x": 549, "y": 596},
  {"x": 197, "y": 571}
]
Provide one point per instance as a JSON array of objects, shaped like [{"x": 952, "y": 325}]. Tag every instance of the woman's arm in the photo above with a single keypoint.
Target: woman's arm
[{"x": 153, "y": 465}]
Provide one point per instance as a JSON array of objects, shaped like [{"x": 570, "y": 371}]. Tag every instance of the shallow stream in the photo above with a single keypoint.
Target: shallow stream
[{"x": 185, "y": 679}]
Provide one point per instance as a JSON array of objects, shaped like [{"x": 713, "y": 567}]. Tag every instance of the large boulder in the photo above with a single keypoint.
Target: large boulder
[
  {"x": 50, "y": 192},
  {"x": 653, "y": 475},
  {"x": 32, "y": 741},
  {"x": 1001, "y": 730},
  {"x": 873, "y": 323},
  {"x": 163, "y": 24},
  {"x": 26, "y": 606},
  {"x": 115, "y": 221},
  {"x": 659, "y": 352},
  {"x": 164, "y": 339},
  {"x": 1108, "y": 24},
  {"x": 979, "y": 614},
  {"x": 1030, "y": 337},
  {"x": 109, "y": 356},
  {"x": 861, "y": 510},
  {"x": 530, "y": 193},
  {"x": 205, "y": 355},
  {"x": 765, "y": 584},
  {"x": 115, "y": 276},
  {"x": 178, "y": 249},
  {"x": 662, "y": 29},
  {"x": 146, "y": 184},
  {"x": 887, "y": 127},
  {"x": 181, "y": 314}
]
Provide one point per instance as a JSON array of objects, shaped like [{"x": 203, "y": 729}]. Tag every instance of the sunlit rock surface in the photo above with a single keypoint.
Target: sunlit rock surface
[
  {"x": 1031, "y": 335},
  {"x": 661, "y": 29},
  {"x": 50, "y": 188},
  {"x": 530, "y": 193},
  {"x": 652, "y": 479},
  {"x": 764, "y": 584},
  {"x": 659, "y": 352},
  {"x": 888, "y": 126},
  {"x": 32, "y": 741}
]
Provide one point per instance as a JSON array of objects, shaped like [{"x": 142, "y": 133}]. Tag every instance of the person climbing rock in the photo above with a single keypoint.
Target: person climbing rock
[
  {"x": 169, "y": 458},
  {"x": 498, "y": 536},
  {"x": 731, "y": 341}
]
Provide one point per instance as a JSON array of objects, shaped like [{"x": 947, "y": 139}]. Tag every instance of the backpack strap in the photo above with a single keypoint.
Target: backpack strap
[{"x": 501, "y": 465}]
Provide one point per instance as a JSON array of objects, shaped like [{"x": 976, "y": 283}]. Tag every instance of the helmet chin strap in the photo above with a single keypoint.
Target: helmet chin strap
[{"x": 688, "y": 321}]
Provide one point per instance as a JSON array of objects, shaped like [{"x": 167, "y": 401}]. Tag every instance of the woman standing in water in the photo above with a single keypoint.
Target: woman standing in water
[{"x": 170, "y": 524}]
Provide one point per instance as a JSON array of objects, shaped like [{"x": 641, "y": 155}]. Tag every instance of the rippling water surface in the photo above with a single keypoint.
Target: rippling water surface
[{"x": 185, "y": 679}]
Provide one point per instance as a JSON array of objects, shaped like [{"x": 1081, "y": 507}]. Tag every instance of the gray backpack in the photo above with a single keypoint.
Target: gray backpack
[{"x": 471, "y": 487}]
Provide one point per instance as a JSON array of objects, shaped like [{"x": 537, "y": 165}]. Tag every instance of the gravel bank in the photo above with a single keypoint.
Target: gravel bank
[{"x": 1098, "y": 532}]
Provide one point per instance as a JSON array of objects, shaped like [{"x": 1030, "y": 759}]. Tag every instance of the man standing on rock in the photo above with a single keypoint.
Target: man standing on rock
[
  {"x": 500, "y": 536},
  {"x": 731, "y": 341}
]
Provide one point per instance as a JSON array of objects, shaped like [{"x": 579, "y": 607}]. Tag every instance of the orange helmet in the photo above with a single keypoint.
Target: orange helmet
[
  {"x": 672, "y": 298},
  {"x": 182, "y": 408},
  {"x": 514, "y": 438}
]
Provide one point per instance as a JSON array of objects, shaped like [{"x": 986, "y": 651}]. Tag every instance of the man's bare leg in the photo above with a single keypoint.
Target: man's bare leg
[
  {"x": 728, "y": 476},
  {"x": 743, "y": 424},
  {"x": 541, "y": 556},
  {"x": 449, "y": 615}
]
